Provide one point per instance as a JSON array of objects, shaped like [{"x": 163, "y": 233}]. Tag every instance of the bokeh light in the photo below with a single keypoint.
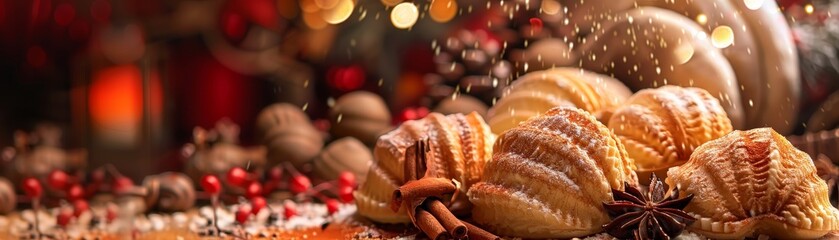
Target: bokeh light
[
  {"x": 339, "y": 12},
  {"x": 442, "y": 10},
  {"x": 722, "y": 37},
  {"x": 753, "y": 4},
  {"x": 404, "y": 15}
]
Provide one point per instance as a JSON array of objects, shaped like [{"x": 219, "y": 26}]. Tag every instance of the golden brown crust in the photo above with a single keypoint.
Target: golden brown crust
[
  {"x": 549, "y": 175},
  {"x": 661, "y": 127},
  {"x": 537, "y": 92},
  {"x": 461, "y": 145},
  {"x": 755, "y": 182}
]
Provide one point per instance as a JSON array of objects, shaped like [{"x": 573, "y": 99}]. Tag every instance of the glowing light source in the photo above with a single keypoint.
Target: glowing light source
[
  {"x": 115, "y": 102},
  {"x": 701, "y": 19},
  {"x": 339, "y": 13},
  {"x": 404, "y": 15},
  {"x": 753, "y": 4},
  {"x": 442, "y": 10},
  {"x": 809, "y": 8},
  {"x": 722, "y": 37}
]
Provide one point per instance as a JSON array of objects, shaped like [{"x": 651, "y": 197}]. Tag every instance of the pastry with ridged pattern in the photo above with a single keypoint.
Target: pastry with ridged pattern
[
  {"x": 661, "y": 127},
  {"x": 537, "y": 92},
  {"x": 549, "y": 177},
  {"x": 461, "y": 146},
  {"x": 751, "y": 183}
]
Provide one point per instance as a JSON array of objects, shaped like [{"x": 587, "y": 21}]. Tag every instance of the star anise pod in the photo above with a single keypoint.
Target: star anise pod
[{"x": 650, "y": 215}]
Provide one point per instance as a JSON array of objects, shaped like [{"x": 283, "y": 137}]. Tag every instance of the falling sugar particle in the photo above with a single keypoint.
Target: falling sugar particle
[{"x": 340, "y": 116}]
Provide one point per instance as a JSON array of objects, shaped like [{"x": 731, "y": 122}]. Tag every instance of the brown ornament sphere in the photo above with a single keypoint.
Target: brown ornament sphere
[
  {"x": 169, "y": 191},
  {"x": 345, "y": 154},
  {"x": 288, "y": 134},
  {"x": 362, "y": 115}
]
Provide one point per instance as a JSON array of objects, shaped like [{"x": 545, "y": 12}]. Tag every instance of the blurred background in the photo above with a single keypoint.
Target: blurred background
[{"x": 129, "y": 79}]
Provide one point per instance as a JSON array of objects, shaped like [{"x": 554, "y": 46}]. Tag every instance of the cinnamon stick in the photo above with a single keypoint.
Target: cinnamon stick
[
  {"x": 430, "y": 226},
  {"x": 476, "y": 233},
  {"x": 411, "y": 162},
  {"x": 453, "y": 225},
  {"x": 426, "y": 187},
  {"x": 415, "y": 160}
]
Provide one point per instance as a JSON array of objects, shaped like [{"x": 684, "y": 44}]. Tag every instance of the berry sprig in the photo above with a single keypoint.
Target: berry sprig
[
  {"x": 252, "y": 200},
  {"x": 212, "y": 185},
  {"x": 32, "y": 188},
  {"x": 73, "y": 193}
]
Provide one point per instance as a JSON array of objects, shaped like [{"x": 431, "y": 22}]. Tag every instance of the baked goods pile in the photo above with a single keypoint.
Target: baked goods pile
[
  {"x": 566, "y": 150},
  {"x": 566, "y": 174}
]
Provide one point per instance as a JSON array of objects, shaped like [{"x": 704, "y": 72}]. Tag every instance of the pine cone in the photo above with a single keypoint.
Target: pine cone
[{"x": 488, "y": 52}]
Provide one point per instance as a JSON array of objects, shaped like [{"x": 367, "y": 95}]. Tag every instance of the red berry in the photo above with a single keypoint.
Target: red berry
[
  {"x": 64, "y": 217},
  {"x": 122, "y": 184},
  {"x": 345, "y": 193},
  {"x": 75, "y": 192},
  {"x": 237, "y": 176},
  {"x": 332, "y": 205},
  {"x": 58, "y": 180},
  {"x": 346, "y": 179},
  {"x": 254, "y": 189},
  {"x": 211, "y": 184},
  {"x": 80, "y": 206},
  {"x": 243, "y": 213},
  {"x": 257, "y": 203},
  {"x": 32, "y": 188},
  {"x": 276, "y": 173},
  {"x": 289, "y": 210},
  {"x": 299, "y": 184},
  {"x": 536, "y": 24}
]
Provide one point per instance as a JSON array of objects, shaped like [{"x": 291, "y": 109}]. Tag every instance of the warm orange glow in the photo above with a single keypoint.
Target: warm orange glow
[
  {"x": 116, "y": 102},
  {"x": 442, "y": 10}
]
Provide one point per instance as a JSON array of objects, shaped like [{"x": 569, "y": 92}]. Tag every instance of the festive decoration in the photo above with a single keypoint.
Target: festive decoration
[{"x": 648, "y": 215}]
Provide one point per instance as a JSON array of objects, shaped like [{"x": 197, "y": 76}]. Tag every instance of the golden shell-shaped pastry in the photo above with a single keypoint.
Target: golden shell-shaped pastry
[
  {"x": 661, "y": 127},
  {"x": 460, "y": 146},
  {"x": 537, "y": 92},
  {"x": 754, "y": 182},
  {"x": 549, "y": 176}
]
